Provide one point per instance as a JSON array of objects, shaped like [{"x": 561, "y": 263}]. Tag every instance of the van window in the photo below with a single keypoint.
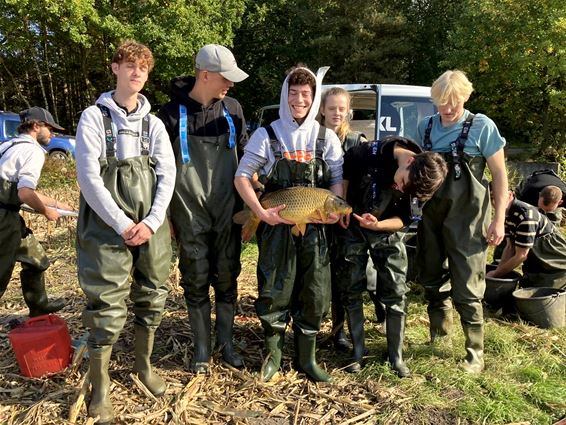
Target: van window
[
  {"x": 11, "y": 128},
  {"x": 401, "y": 115}
]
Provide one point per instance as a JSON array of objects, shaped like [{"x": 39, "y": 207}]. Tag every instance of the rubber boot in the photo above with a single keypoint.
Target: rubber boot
[
  {"x": 340, "y": 339},
  {"x": 199, "y": 318},
  {"x": 440, "y": 316},
  {"x": 395, "y": 336},
  {"x": 33, "y": 289},
  {"x": 305, "y": 347},
  {"x": 473, "y": 363},
  {"x": 100, "y": 404},
  {"x": 224, "y": 332},
  {"x": 356, "y": 322},
  {"x": 274, "y": 347},
  {"x": 143, "y": 347}
]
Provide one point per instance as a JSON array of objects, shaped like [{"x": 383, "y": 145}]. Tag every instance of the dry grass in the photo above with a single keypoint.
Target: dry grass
[{"x": 225, "y": 395}]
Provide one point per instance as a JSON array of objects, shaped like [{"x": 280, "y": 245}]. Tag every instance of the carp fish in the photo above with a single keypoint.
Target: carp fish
[{"x": 302, "y": 206}]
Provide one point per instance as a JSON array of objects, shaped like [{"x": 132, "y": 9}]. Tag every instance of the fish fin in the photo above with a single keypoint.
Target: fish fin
[
  {"x": 249, "y": 222},
  {"x": 301, "y": 228},
  {"x": 295, "y": 231},
  {"x": 322, "y": 214}
]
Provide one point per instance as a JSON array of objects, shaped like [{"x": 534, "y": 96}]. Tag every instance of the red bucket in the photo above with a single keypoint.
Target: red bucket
[{"x": 42, "y": 345}]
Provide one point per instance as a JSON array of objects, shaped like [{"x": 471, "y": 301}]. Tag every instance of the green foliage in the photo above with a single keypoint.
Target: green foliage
[{"x": 513, "y": 52}]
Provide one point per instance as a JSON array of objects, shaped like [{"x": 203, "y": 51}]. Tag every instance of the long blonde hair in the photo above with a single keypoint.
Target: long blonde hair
[{"x": 344, "y": 127}]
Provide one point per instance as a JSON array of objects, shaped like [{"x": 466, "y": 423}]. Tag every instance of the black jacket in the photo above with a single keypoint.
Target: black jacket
[{"x": 201, "y": 120}]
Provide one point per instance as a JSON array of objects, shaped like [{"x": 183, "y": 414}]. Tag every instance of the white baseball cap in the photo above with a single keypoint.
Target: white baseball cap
[{"x": 216, "y": 58}]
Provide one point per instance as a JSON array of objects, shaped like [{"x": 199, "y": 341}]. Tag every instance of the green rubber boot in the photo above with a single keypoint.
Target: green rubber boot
[
  {"x": 33, "y": 289},
  {"x": 143, "y": 347},
  {"x": 100, "y": 404},
  {"x": 274, "y": 347},
  {"x": 305, "y": 346},
  {"x": 199, "y": 318},
  {"x": 473, "y": 363},
  {"x": 356, "y": 322},
  {"x": 224, "y": 334},
  {"x": 395, "y": 336}
]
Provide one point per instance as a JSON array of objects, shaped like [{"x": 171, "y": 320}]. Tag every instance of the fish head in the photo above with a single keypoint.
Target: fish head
[{"x": 335, "y": 204}]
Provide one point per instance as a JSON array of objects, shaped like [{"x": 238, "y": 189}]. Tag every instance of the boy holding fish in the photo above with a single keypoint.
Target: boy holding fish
[{"x": 293, "y": 271}]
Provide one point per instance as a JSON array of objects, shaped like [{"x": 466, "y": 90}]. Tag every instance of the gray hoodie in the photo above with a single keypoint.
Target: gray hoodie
[
  {"x": 91, "y": 147},
  {"x": 297, "y": 140}
]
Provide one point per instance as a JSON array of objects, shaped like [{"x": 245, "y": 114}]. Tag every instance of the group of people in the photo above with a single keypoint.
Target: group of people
[{"x": 186, "y": 171}]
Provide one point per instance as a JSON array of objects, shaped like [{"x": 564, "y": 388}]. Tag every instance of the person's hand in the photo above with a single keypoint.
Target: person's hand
[
  {"x": 138, "y": 234},
  {"x": 344, "y": 221},
  {"x": 495, "y": 233},
  {"x": 490, "y": 273},
  {"x": 51, "y": 214},
  {"x": 367, "y": 221},
  {"x": 64, "y": 206},
  {"x": 271, "y": 216}
]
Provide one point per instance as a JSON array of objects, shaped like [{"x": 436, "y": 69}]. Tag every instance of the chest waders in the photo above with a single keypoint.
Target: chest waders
[
  {"x": 105, "y": 264},
  {"x": 293, "y": 272},
  {"x": 389, "y": 257},
  {"x": 19, "y": 244},
  {"x": 209, "y": 242},
  {"x": 453, "y": 226},
  {"x": 545, "y": 265}
]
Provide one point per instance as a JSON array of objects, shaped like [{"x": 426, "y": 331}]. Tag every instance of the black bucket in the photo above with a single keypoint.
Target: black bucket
[
  {"x": 411, "y": 246},
  {"x": 544, "y": 307},
  {"x": 499, "y": 290}
]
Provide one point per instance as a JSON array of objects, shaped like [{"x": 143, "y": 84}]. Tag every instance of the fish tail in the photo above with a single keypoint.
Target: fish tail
[{"x": 249, "y": 222}]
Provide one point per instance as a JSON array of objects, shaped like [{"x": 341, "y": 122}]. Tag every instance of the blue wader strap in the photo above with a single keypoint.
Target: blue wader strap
[
  {"x": 183, "y": 132},
  {"x": 183, "y": 138},
  {"x": 110, "y": 133},
  {"x": 374, "y": 172},
  {"x": 456, "y": 147}
]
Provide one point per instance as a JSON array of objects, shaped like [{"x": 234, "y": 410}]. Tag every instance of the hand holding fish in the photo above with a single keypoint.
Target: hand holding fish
[{"x": 272, "y": 216}]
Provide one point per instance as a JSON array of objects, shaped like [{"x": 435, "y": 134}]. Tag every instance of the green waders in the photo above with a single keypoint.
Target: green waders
[
  {"x": 389, "y": 256},
  {"x": 546, "y": 262},
  {"x": 19, "y": 244},
  {"x": 453, "y": 226},
  {"x": 293, "y": 272},
  {"x": 105, "y": 264},
  {"x": 209, "y": 242}
]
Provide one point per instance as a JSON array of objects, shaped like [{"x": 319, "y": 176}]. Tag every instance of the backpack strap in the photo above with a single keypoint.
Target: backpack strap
[
  {"x": 273, "y": 142},
  {"x": 457, "y": 146}
]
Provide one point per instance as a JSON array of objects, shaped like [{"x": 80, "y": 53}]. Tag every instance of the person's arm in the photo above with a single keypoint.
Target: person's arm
[
  {"x": 513, "y": 261},
  {"x": 499, "y": 184},
  {"x": 271, "y": 215},
  {"x": 33, "y": 199},
  {"x": 369, "y": 221}
]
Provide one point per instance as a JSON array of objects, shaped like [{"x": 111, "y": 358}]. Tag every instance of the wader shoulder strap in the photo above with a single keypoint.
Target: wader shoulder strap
[
  {"x": 320, "y": 142},
  {"x": 375, "y": 148},
  {"x": 273, "y": 142},
  {"x": 183, "y": 134},
  {"x": 427, "y": 142},
  {"x": 11, "y": 146},
  {"x": 457, "y": 146},
  {"x": 110, "y": 132},
  {"x": 231, "y": 127}
]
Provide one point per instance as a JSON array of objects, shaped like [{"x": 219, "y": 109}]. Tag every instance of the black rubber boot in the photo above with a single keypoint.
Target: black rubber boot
[
  {"x": 473, "y": 363},
  {"x": 33, "y": 289},
  {"x": 199, "y": 318},
  {"x": 395, "y": 336},
  {"x": 100, "y": 404},
  {"x": 224, "y": 334},
  {"x": 356, "y": 322},
  {"x": 274, "y": 347},
  {"x": 305, "y": 348},
  {"x": 143, "y": 347},
  {"x": 440, "y": 316},
  {"x": 340, "y": 339}
]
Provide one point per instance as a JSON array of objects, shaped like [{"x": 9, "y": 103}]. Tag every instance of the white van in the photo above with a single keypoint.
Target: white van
[{"x": 397, "y": 108}]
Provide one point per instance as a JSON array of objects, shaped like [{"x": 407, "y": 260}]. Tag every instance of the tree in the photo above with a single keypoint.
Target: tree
[{"x": 513, "y": 52}]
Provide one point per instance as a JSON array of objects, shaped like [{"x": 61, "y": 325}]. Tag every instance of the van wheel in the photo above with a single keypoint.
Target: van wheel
[{"x": 58, "y": 155}]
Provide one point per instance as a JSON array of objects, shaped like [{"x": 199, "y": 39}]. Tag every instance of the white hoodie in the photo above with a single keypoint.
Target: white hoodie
[
  {"x": 91, "y": 146},
  {"x": 297, "y": 141}
]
